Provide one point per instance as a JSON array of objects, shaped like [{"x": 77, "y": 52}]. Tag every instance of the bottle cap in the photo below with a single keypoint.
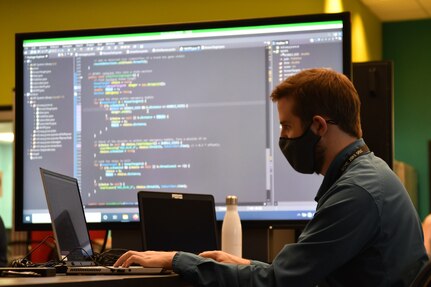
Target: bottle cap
[{"x": 231, "y": 200}]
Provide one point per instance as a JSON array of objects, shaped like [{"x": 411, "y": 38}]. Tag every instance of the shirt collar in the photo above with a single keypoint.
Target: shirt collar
[{"x": 333, "y": 172}]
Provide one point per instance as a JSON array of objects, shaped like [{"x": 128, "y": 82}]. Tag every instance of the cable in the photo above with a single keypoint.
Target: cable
[
  {"x": 103, "y": 259},
  {"x": 25, "y": 262},
  {"x": 109, "y": 257},
  {"x": 105, "y": 241}
]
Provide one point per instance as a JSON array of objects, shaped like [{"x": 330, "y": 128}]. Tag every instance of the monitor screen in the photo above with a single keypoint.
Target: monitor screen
[{"x": 175, "y": 108}]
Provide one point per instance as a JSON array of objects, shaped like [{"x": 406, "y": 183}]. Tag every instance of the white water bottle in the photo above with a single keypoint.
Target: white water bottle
[{"x": 231, "y": 233}]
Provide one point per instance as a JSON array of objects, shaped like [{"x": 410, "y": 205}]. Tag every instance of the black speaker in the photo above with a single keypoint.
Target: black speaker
[{"x": 374, "y": 83}]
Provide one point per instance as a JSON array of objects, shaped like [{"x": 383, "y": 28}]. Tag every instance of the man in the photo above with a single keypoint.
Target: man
[{"x": 365, "y": 231}]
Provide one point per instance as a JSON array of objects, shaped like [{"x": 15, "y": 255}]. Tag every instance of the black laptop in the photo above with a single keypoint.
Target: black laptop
[
  {"x": 70, "y": 228},
  {"x": 178, "y": 221}
]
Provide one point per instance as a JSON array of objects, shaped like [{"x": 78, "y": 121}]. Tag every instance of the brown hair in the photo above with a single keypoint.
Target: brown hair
[{"x": 326, "y": 93}]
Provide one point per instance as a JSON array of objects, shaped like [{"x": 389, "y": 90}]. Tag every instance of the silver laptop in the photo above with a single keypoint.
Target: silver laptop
[{"x": 70, "y": 228}]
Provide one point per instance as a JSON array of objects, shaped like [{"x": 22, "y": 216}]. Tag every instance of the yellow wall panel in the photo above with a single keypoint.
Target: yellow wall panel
[{"x": 50, "y": 15}]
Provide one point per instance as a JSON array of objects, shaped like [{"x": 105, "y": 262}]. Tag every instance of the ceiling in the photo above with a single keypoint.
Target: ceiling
[{"x": 399, "y": 10}]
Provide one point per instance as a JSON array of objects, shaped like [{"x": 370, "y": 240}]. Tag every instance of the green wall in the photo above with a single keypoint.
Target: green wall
[
  {"x": 408, "y": 44},
  {"x": 6, "y": 167}
]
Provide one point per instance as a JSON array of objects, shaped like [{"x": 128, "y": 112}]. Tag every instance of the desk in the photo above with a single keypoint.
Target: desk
[{"x": 171, "y": 280}]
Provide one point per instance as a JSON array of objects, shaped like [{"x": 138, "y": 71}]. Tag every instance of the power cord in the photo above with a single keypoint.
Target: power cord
[
  {"x": 25, "y": 262},
  {"x": 105, "y": 259},
  {"x": 109, "y": 257}
]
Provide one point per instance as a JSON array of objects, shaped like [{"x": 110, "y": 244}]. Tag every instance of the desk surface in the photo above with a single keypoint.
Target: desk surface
[{"x": 171, "y": 280}]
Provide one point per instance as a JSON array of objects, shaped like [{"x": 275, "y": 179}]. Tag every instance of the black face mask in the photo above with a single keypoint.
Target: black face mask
[{"x": 300, "y": 151}]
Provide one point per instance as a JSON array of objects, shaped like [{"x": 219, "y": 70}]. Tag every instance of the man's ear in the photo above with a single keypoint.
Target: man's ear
[{"x": 319, "y": 126}]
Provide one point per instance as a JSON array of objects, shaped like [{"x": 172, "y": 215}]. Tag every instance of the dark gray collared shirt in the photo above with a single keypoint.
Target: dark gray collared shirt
[{"x": 365, "y": 232}]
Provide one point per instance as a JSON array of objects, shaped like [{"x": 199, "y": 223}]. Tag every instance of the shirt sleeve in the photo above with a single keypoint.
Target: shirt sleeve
[
  {"x": 207, "y": 272},
  {"x": 340, "y": 229}
]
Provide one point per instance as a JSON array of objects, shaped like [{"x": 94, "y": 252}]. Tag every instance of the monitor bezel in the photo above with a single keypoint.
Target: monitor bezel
[{"x": 19, "y": 99}]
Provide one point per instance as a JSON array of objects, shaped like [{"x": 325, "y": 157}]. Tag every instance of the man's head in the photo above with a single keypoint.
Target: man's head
[
  {"x": 325, "y": 93},
  {"x": 319, "y": 112}
]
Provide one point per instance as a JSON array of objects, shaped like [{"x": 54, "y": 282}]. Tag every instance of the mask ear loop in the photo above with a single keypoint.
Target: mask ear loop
[
  {"x": 328, "y": 121},
  {"x": 318, "y": 119}
]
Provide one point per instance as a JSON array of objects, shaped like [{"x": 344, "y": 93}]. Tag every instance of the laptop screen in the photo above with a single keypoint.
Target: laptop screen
[
  {"x": 67, "y": 216},
  {"x": 179, "y": 222}
]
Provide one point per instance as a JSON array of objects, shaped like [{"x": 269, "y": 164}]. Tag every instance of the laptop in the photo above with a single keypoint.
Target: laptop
[
  {"x": 178, "y": 221},
  {"x": 70, "y": 228}
]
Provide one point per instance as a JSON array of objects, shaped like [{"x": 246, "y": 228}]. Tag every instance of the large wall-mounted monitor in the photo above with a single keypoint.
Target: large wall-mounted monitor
[{"x": 181, "y": 107}]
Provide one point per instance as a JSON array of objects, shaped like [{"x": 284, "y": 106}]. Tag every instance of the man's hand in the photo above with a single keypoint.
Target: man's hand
[
  {"x": 147, "y": 259},
  {"x": 224, "y": 257}
]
